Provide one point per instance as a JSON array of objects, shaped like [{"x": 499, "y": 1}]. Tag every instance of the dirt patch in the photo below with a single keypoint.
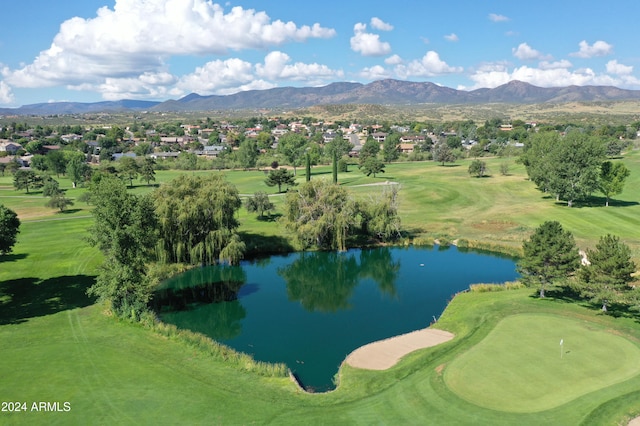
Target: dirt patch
[{"x": 384, "y": 354}]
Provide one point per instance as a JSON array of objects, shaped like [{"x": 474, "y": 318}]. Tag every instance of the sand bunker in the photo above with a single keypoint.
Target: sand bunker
[{"x": 386, "y": 353}]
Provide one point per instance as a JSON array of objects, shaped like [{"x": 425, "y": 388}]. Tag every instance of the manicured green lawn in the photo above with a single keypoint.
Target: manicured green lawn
[
  {"x": 521, "y": 365},
  {"x": 56, "y": 345}
]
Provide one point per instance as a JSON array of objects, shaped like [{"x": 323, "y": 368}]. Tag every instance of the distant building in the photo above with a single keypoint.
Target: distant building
[{"x": 10, "y": 147}]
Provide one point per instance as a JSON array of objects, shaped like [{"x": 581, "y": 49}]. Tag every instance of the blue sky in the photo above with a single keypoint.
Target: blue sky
[{"x": 95, "y": 50}]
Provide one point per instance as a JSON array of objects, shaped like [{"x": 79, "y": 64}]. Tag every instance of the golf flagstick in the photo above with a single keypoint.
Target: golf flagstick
[{"x": 561, "y": 344}]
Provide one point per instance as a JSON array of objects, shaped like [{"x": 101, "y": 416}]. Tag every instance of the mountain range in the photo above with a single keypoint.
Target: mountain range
[{"x": 382, "y": 92}]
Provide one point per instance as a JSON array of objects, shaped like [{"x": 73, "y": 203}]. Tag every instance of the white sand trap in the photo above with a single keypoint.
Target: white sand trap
[
  {"x": 386, "y": 353},
  {"x": 634, "y": 422}
]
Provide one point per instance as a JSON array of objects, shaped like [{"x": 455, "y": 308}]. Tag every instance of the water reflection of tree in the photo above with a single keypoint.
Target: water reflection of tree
[
  {"x": 379, "y": 265},
  {"x": 207, "y": 274},
  {"x": 321, "y": 281},
  {"x": 324, "y": 281},
  {"x": 192, "y": 301},
  {"x": 220, "y": 321}
]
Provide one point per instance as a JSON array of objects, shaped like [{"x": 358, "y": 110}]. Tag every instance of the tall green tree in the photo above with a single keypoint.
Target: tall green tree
[
  {"x": 125, "y": 231},
  {"x": 77, "y": 169},
  {"x": 35, "y": 147},
  {"x": 321, "y": 214},
  {"x": 50, "y": 187},
  {"x": 57, "y": 162},
  {"x": 372, "y": 165},
  {"x": 259, "y": 203},
  {"x": 129, "y": 169},
  {"x": 292, "y": 146},
  {"x": 443, "y": 154},
  {"x": 566, "y": 166},
  {"x": 59, "y": 201},
  {"x": 612, "y": 177},
  {"x": 334, "y": 168},
  {"x": 197, "y": 217},
  {"x": 380, "y": 217},
  {"x": 280, "y": 177},
  {"x": 477, "y": 168},
  {"x": 549, "y": 255},
  {"x": 9, "y": 229},
  {"x": 576, "y": 164},
  {"x": 338, "y": 145},
  {"x": 371, "y": 148},
  {"x": 148, "y": 170},
  {"x": 308, "y": 167},
  {"x": 606, "y": 278},
  {"x": 39, "y": 162},
  {"x": 247, "y": 154},
  {"x": 27, "y": 179},
  {"x": 390, "y": 147},
  {"x": 537, "y": 158}
]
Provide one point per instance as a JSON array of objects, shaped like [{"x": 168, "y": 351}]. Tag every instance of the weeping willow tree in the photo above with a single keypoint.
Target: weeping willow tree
[
  {"x": 321, "y": 214},
  {"x": 197, "y": 221}
]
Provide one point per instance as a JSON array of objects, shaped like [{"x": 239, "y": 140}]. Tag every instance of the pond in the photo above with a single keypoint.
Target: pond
[{"x": 310, "y": 310}]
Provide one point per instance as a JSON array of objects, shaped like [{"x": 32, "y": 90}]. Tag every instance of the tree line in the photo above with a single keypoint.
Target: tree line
[{"x": 572, "y": 167}]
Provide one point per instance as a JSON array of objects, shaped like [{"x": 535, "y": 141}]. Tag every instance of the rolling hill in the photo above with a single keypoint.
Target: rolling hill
[{"x": 382, "y": 92}]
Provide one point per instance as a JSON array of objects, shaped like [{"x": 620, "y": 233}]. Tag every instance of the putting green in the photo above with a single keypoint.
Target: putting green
[{"x": 521, "y": 366}]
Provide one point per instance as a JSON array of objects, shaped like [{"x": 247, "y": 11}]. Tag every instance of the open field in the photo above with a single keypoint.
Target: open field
[{"x": 56, "y": 345}]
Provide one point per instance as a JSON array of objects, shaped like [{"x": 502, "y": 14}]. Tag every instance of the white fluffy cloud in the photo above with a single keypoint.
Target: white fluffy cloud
[
  {"x": 599, "y": 48},
  {"x": 613, "y": 67},
  {"x": 368, "y": 44},
  {"x": 375, "y": 72},
  {"x": 6, "y": 95},
  {"x": 429, "y": 66},
  {"x": 276, "y": 67},
  {"x": 451, "y": 37},
  {"x": 144, "y": 86},
  {"x": 218, "y": 77},
  {"x": 563, "y": 63},
  {"x": 234, "y": 75},
  {"x": 526, "y": 52},
  {"x": 137, "y": 37},
  {"x": 497, "y": 18},
  {"x": 558, "y": 75},
  {"x": 393, "y": 60},
  {"x": 379, "y": 24}
]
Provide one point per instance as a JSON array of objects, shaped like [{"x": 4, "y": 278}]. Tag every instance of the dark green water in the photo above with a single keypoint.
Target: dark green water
[{"x": 310, "y": 310}]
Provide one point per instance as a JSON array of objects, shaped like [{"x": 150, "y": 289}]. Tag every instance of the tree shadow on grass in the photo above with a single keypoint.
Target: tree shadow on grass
[
  {"x": 571, "y": 295},
  {"x": 26, "y": 298},
  {"x": 69, "y": 211},
  {"x": 595, "y": 201},
  {"x": 260, "y": 245},
  {"x": 269, "y": 217},
  {"x": 11, "y": 257}
]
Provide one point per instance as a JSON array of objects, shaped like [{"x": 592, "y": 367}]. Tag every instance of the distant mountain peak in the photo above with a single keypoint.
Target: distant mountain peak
[{"x": 381, "y": 92}]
